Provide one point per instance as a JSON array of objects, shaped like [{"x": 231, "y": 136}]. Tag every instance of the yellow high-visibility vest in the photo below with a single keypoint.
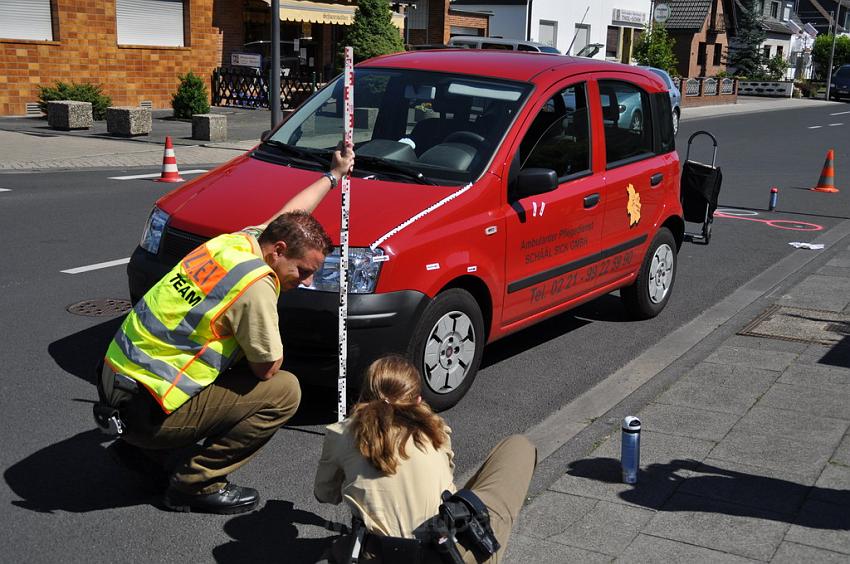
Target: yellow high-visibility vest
[{"x": 169, "y": 343}]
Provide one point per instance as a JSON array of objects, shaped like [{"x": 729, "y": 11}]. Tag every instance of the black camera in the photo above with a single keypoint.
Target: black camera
[{"x": 465, "y": 513}]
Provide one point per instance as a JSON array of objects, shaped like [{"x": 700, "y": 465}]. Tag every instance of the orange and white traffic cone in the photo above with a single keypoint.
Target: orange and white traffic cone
[
  {"x": 169, "y": 164},
  {"x": 826, "y": 183}
]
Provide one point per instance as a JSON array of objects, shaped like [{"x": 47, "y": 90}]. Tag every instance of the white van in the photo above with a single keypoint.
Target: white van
[{"x": 475, "y": 42}]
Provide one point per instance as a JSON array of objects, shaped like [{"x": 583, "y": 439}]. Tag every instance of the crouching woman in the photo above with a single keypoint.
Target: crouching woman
[{"x": 391, "y": 460}]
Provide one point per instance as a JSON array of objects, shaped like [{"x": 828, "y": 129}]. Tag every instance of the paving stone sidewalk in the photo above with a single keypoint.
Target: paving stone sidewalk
[{"x": 746, "y": 458}]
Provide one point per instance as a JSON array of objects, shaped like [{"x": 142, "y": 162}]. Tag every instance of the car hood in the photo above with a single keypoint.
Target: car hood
[{"x": 248, "y": 191}]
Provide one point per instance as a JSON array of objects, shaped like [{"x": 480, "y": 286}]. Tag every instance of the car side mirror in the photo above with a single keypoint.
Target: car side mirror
[
  {"x": 264, "y": 136},
  {"x": 533, "y": 181}
]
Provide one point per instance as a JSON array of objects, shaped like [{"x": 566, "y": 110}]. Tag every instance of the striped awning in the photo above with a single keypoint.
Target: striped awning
[{"x": 323, "y": 13}]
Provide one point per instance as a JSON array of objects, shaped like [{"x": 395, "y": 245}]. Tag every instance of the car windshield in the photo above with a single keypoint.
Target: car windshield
[
  {"x": 843, "y": 72},
  {"x": 547, "y": 49},
  {"x": 412, "y": 126}
]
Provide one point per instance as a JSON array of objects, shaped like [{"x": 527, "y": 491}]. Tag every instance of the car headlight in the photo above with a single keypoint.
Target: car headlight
[
  {"x": 152, "y": 234},
  {"x": 363, "y": 271}
]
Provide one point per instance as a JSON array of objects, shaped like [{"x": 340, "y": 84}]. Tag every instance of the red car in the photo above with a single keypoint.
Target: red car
[{"x": 492, "y": 190}]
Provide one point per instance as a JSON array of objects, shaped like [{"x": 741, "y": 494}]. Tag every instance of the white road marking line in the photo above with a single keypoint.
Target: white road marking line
[
  {"x": 835, "y": 124},
  {"x": 97, "y": 266},
  {"x": 5, "y": 189},
  {"x": 815, "y": 127},
  {"x": 839, "y": 113},
  {"x": 154, "y": 175}
]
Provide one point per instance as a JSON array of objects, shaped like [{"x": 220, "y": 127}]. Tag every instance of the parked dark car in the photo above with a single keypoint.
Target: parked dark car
[{"x": 840, "y": 86}]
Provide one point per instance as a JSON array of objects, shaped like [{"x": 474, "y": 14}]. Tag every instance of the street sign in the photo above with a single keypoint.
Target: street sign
[
  {"x": 246, "y": 60},
  {"x": 662, "y": 13}
]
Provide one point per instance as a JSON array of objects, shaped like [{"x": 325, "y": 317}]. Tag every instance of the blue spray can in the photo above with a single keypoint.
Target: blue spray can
[
  {"x": 630, "y": 449},
  {"x": 774, "y": 195}
]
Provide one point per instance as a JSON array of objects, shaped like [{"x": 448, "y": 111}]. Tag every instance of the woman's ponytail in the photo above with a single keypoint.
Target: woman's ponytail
[{"x": 390, "y": 411}]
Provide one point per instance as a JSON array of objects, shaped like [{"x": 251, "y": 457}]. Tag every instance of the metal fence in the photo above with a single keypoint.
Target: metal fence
[
  {"x": 709, "y": 87},
  {"x": 727, "y": 86},
  {"x": 248, "y": 87},
  {"x": 691, "y": 87}
]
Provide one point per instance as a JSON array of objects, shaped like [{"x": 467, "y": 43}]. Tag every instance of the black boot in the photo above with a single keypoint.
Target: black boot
[{"x": 227, "y": 501}]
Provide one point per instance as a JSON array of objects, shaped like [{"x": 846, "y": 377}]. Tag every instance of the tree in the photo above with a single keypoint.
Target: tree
[
  {"x": 820, "y": 54},
  {"x": 655, "y": 49},
  {"x": 373, "y": 32},
  {"x": 746, "y": 56}
]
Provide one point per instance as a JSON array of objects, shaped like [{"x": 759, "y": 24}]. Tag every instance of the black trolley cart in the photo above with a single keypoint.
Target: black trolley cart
[{"x": 700, "y": 189}]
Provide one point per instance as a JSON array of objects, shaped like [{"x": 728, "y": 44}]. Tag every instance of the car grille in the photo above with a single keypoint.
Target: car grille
[{"x": 177, "y": 244}]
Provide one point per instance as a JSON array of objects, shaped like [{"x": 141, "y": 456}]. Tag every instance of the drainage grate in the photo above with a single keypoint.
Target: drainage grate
[
  {"x": 799, "y": 324},
  {"x": 102, "y": 307},
  {"x": 33, "y": 109},
  {"x": 146, "y": 104}
]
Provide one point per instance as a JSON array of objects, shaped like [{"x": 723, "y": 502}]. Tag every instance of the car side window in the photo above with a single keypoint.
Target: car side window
[
  {"x": 627, "y": 116},
  {"x": 559, "y": 137},
  {"x": 521, "y": 47}
]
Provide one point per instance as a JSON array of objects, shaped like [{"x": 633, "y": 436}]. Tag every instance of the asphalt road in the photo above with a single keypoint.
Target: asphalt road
[{"x": 62, "y": 497}]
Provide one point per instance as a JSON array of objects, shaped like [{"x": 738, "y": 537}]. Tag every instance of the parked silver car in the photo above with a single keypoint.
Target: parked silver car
[
  {"x": 675, "y": 95},
  {"x": 476, "y": 42}
]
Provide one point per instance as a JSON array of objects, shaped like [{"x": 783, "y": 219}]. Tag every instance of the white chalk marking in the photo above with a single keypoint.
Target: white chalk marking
[
  {"x": 471, "y": 268},
  {"x": 839, "y": 113},
  {"x": 418, "y": 216},
  {"x": 5, "y": 190},
  {"x": 815, "y": 127},
  {"x": 542, "y": 207},
  {"x": 381, "y": 258},
  {"x": 534, "y": 207},
  {"x": 97, "y": 266},
  {"x": 491, "y": 230},
  {"x": 153, "y": 175},
  {"x": 433, "y": 266},
  {"x": 835, "y": 124},
  {"x": 736, "y": 212}
]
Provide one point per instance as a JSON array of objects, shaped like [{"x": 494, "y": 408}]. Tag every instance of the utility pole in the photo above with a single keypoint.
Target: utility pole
[
  {"x": 831, "y": 52},
  {"x": 274, "y": 83}
]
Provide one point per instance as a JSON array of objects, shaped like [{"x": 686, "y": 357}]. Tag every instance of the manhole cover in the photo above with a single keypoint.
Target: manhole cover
[
  {"x": 798, "y": 324},
  {"x": 103, "y": 307}
]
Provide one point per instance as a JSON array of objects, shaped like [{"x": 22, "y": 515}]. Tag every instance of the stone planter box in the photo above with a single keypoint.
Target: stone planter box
[
  {"x": 778, "y": 89},
  {"x": 128, "y": 121},
  {"x": 209, "y": 127},
  {"x": 69, "y": 114}
]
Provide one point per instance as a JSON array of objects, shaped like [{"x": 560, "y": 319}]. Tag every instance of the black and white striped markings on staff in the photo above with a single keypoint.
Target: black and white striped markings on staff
[{"x": 348, "y": 139}]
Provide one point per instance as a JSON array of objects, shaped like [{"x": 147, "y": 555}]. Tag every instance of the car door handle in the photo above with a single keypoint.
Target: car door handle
[
  {"x": 590, "y": 201},
  {"x": 656, "y": 179}
]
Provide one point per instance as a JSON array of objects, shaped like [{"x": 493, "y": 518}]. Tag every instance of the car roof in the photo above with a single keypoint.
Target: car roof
[
  {"x": 497, "y": 40},
  {"x": 509, "y": 65}
]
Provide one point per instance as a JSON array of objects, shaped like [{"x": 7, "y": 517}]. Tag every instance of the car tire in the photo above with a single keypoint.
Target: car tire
[
  {"x": 650, "y": 292},
  {"x": 675, "y": 122},
  {"x": 447, "y": 347}
]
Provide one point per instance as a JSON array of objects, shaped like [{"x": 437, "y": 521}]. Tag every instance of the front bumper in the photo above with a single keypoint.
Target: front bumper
[{"x": 377, "y": 323}]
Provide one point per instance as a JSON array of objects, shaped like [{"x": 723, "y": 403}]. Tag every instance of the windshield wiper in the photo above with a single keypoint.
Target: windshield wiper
[
  {"x": 382, "y": 165},
  {"x": 298, "y": 152}
]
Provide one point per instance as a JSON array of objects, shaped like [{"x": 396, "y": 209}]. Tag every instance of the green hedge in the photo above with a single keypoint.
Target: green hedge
[{"x": 80, "y": 92}]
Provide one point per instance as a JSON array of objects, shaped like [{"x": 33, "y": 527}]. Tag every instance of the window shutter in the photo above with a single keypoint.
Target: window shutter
[
  {"x": 150, "y": 22},
  {"x": 26, "y": 19}
]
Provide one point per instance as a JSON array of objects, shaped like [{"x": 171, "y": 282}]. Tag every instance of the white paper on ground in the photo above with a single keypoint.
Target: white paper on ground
[{"x": 812, "y": 246}]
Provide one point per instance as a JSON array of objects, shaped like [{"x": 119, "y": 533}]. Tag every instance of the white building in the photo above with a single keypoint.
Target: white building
[{"x": 568, "y": 25}]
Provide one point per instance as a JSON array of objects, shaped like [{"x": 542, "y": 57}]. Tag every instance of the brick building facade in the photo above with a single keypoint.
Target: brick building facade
[
  {"x": 434, "y": 22},
  {"x": 85, "y": 48},
  {"x": 701, "y": 29}
]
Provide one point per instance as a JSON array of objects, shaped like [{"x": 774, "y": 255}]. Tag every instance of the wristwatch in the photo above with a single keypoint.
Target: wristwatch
[{"x": 330, "y": 176}]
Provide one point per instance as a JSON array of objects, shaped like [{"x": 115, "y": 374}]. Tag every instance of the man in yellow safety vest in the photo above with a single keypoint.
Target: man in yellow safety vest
[{"x": 171, "y": 374}]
